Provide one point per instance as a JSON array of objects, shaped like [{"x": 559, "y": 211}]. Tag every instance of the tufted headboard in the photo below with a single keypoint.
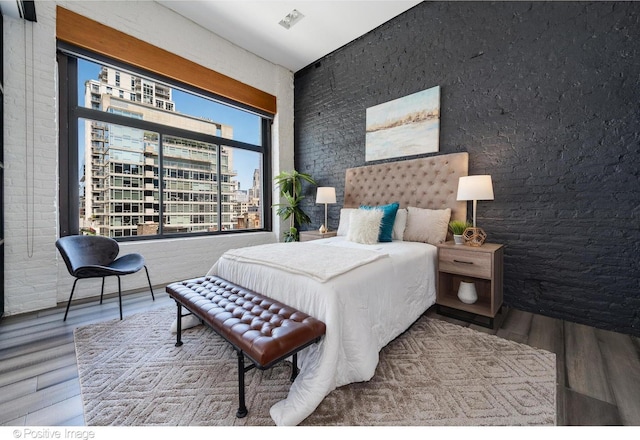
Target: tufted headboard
[{"x": 430, "y": 183}]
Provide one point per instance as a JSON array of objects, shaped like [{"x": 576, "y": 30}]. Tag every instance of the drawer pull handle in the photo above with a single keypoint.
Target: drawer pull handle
[{"x": 463, "y": 262}]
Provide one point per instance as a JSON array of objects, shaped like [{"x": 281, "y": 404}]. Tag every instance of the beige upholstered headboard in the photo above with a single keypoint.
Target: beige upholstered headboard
[{"x": 430, "y": 183}]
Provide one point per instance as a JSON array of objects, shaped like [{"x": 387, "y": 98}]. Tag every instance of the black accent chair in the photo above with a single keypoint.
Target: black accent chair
[{"x": 94, "y": 256}]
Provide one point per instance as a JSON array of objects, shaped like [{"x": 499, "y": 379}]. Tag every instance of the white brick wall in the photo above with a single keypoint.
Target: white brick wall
[{"x": 35, "y": 275}]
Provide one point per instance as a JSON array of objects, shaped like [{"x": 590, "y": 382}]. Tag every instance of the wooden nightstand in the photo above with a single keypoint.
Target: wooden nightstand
[
  {"x": 481, "y": 265},
  {"x": 315, "y": 235}
]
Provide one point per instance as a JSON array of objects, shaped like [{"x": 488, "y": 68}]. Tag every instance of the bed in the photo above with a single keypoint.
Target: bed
[{"x": 366, "y": 293}]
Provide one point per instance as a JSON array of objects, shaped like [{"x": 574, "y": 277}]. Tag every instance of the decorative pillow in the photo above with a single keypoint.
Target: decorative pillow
[
  {"x": 343, "y": 227},
  {"x": 400, "y": 224},
  {"x": 427, "y": 225},
  {"x": 388, "y": 219},
  {"x": 364, "y": 225}
]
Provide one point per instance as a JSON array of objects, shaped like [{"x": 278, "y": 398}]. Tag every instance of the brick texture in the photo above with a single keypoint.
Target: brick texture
[{"x": 544, "y": 97}]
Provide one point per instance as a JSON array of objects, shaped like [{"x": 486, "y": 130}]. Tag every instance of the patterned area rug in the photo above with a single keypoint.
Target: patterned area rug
[{"x": 435, "y": 374}]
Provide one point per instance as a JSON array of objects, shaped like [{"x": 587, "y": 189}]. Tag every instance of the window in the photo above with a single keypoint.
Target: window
[{"x": 173, "y": 161}]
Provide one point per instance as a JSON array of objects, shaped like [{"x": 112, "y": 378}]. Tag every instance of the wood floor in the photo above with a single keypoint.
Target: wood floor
[{"x": 598, "y": 371}]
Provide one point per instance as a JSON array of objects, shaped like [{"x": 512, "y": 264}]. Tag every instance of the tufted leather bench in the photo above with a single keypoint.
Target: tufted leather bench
[{"x": 260, "y": 328}]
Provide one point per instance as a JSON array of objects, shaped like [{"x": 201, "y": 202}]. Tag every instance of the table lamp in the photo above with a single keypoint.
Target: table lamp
[
  {"x": 326, "y": 195},
  {"x": 475, "y": 188}
]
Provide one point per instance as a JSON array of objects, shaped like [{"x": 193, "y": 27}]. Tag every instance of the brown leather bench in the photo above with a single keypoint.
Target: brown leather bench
[{"x": 258, "y": 327}]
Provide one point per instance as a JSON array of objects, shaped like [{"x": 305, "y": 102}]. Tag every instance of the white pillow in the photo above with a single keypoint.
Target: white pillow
[
  {"x": 186, "y": 322},
  {"x": 399, "y": 224},
  {"x": 343, "y": 227},
  {"x": 364, "y": 225},
  {"x": 427, "y": 225}
]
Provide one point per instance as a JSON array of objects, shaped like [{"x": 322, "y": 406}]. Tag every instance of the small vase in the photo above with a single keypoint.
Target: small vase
[
  {"x": 467, "y": 292},
  {"x": 458, "y": 239}
]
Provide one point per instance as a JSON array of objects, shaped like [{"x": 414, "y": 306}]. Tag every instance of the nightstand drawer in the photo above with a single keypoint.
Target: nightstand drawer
[
  {"x": 463, "y": 262},
  {"x": 316, "y": 235}
]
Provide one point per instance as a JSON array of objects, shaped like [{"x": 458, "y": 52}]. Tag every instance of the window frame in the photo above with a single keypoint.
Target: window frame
[{"x": 71, "y": 112}]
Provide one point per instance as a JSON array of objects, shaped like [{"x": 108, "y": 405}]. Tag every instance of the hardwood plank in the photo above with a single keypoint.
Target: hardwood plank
[
  {"x": 585, "y": 366},
  {"x": 40, "y": 399},
  {"x": 20, "y": 421},
  {"x": 516, "y": 325},
  {"x": 69, "y": 411},
  {"x": 548, "y": 334},
  {"x": 32, "y": 346},
  {"x": 623, "y": 371},
  {"x": 18, "y": 389},
  {"x": 59, "y": 375},
  {"x": 76, "y": 421},
  {"x": 582, "y": 410},
  {"x": 561, "y": 406},
  {"x": 37, "y": 363}
]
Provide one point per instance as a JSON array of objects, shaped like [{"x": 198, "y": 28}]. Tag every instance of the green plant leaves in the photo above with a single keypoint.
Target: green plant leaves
[{"x": 290, "y": 185}]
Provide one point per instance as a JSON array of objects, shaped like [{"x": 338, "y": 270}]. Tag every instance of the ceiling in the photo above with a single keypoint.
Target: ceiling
[{"x": 254, "y": 25}]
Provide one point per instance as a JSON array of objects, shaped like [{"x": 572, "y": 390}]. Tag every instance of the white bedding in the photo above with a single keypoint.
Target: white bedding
[
  {"x": 309, "y": 258},
  {"x": 363, "y": 309}
]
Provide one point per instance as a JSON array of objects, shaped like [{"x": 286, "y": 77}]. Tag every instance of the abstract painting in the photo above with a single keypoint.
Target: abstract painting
[{"x": 406, "y": 126}]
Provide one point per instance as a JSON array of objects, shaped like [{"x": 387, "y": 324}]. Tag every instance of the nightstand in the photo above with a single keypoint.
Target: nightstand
[
  {"x": 482, "y": 266},
  {"x": 315, "y": 235}
]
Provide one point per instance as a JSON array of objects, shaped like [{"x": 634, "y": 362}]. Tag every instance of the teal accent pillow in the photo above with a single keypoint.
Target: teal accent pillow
[{"x": 388, "y": 219}]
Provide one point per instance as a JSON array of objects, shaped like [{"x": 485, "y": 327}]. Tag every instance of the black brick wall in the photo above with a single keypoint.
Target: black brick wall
[{"x": 545, "y": 97}]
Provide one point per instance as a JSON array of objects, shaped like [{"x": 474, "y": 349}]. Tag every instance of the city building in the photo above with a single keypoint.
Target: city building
[{"x": 120, "y": 184}]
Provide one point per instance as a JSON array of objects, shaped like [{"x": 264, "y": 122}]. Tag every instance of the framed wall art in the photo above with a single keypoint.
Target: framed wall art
[{"x": 406, "y": 126}]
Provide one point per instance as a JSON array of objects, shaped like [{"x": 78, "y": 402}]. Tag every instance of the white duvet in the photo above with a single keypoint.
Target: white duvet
[{"x": 364, "y": 309}]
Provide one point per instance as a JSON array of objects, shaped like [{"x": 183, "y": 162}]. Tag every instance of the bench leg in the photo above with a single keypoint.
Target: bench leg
[
  {"x": 242, "y": 407},
  {"x": 294, "y": 367},
  {"x": 179, "y": 325}
]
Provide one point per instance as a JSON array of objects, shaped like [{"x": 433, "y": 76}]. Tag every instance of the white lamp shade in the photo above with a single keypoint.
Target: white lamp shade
[
  {"x": 475, "y": 188},
  {"x": 326, "y": 194}
]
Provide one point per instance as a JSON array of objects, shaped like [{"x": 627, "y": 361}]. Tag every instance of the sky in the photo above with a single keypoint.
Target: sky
[{"x": 246, "y": 126}]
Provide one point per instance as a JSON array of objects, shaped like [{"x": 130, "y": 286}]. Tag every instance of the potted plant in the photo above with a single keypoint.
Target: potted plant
[
  {"x": 457, "y": 227},
  {"x": 290, "y": 184}
]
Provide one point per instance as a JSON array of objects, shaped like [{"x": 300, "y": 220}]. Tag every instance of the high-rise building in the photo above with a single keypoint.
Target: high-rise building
[
  {"x": 121, "y": 164},
  {"x": 254, "y": 192}
]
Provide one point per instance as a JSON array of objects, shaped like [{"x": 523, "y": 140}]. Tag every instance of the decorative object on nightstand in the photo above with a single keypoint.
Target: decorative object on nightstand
[
  {"x": 457, "y": 228},
  {"x": 467, "y": 292},
  {"x": 326, "y": 195},
  {"x": 474, "y": 236},
  {"x": 475, "y": 188}
]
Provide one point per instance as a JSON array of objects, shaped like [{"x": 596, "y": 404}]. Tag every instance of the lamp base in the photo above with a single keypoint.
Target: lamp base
[
  {"x": 474, "y": 236},
  {"x": 323, "y": 229}
]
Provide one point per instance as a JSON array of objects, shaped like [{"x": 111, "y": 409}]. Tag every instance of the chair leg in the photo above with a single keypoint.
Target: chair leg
[
  {"x": 149, "y": 279},
  {"x": 102, "y": 291},
  {"x": 70, "y": 296},
  {"x": 120, "y": 297}
]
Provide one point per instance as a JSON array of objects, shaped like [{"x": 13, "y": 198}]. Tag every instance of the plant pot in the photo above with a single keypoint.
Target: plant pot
[{"x": 458, "y": 239}]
